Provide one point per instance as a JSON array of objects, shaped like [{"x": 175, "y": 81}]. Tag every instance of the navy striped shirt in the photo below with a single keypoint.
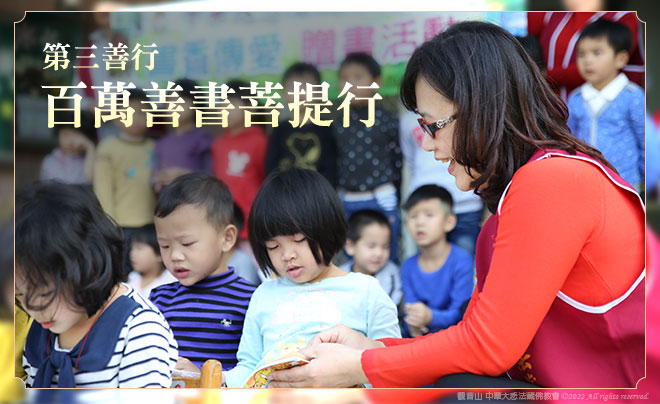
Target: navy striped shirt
[
  {"x": 144, "y": 355},
  {"x": 207, "y": 317}
]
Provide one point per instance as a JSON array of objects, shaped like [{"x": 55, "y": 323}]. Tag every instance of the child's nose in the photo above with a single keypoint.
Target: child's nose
[
  {"x": 289, "y": 254},
  {"x": 177, "y": 255}
]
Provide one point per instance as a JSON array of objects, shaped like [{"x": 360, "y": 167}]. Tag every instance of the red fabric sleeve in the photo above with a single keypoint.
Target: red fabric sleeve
[{"x": 560, "y": 205}]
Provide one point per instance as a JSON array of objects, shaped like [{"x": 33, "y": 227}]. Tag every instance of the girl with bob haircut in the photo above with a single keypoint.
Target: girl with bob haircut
[
  {"x": 296, "y": 225},
  {"x": 89, "y": 328},
  {"x": 559, "y": 300}
]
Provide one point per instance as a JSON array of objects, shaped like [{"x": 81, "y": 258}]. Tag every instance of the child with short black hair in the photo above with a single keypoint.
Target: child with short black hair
[
  {"x": 149, "y": 271},
  {"x": 184, "y": 149},
  {"x": 206, "y": 307},
  {"x": 72, "y": 161},
  {"x": 368, "y": 242},
  {"x": 89, "y": 329},
  {"x": 297, "y": 225},
  {"x": 309, "y": 146},
  {"x": 437, "y": 281},
  {"x": 608, "y": 110},
  {"x": 368, "y": 158},
  {"x": 239, "y": 152}
]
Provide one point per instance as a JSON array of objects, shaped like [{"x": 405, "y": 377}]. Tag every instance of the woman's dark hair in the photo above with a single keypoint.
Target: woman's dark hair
[
  {"x": 65, "y": 243},
  {"x": 297, "y": 201},
  {"x": 505, "y": 109},
  {"x": 146, "y": 235}
]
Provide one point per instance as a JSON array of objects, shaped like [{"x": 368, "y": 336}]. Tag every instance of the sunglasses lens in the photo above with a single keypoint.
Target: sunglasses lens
[{"x": 426, "y": 128}]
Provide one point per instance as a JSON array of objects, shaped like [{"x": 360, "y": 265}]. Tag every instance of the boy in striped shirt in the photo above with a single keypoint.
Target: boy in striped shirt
[{"x": 206, "y": 307}]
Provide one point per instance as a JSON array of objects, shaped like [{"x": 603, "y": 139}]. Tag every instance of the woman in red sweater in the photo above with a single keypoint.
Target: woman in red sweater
[{"x": 559, "y": 300}]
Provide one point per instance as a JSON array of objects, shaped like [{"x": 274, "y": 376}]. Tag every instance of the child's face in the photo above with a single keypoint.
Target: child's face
[
  {"x": 191, "y": 248},
  {"x": 139, "y": 126},
  {"x": 428, "y": 222},
  {"x": 71, "y": 141},
  {"x": 236, "y": 116},
  {"x": 58, "y": 316},
  {"x": 371, "y": 251},
  {"x": 358, "y": 75},
  {"x": 187, "y": 116},
  {"x": 597, "y": 62},
  {"x": 144, "y": 259},
  {"x": 293, "y": 259}
]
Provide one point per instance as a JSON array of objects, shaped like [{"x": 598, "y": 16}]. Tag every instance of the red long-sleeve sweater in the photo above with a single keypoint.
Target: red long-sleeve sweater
[{"x": 563, "y": 226}]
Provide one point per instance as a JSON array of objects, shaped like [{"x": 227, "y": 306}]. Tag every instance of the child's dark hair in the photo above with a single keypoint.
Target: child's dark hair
[
  {"x": 146, "y": 235},
  {"x": 533, "y": 48},
  {"x": 137, "y": 94},
  {"x": 200, "y": 189},
  {"x": 365, "y": 60},
  {"x": 363, "y": 218},
  {"x": 241, "y": 89},
  {"x": 297, "y": 201},
  {"x": 301, "y": 68},
  {"x": 86, "y": 124},
  {"x": 187, "y": 86},
  {"x": 617, "y": 34},
  {"x": 238, "y": 219},
  {"x": 67, "y": 244},
  {"x": 505, "y": 108},
  {"x": 430, "y": 191}
]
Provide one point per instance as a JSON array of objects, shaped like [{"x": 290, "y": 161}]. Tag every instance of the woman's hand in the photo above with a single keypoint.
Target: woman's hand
[
  {"x": 331, "y": 365},
  {"x": 340, "y": 334}
]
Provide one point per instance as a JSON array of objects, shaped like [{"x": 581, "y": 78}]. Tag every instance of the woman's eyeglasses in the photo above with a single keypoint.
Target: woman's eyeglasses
[{"x": 431, "y": 128}]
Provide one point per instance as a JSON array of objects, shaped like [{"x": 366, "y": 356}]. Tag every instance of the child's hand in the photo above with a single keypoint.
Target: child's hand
[
  {"x": 417, "y": 315},
  {"x": 341, "y": 334},
  {"x": 416, "y": 331},
  {"x": 186, "y": 364}
]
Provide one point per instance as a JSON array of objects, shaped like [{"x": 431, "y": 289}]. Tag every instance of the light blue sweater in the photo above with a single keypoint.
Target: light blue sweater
[
  {"x": 617, "y": 130},
  {"x": 284, "y": 316}
]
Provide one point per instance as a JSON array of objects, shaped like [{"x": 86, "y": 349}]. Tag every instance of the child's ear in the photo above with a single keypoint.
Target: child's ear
[
  {"x": 450, "y": 223},
  {"x": 350, "y": 247},
  {"x": 228, "y": 238},
  {"x": 621, "y": 59}
]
